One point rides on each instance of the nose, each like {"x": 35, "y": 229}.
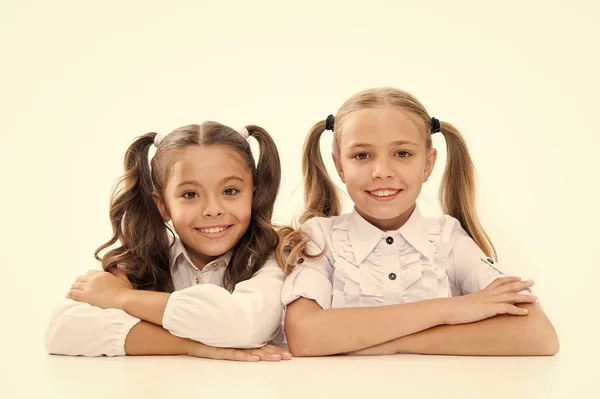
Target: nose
{"x": 212, "y": 208}
{"x": 382, "y": 169}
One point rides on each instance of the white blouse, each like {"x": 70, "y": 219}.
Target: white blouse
{"x": 364, "y": 266}
{"x": 199, "y": 309}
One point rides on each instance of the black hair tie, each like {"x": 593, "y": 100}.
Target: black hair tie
{"x": 329, "y": 122}
{"x": 435, "y": 125}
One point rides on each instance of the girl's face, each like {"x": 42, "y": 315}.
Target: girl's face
{"x": 208, "y": 197}
{"x": 383, "y": 161}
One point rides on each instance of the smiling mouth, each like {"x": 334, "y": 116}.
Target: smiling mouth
{"x": 213, "y": 230}
{"x": 383, "y": 193}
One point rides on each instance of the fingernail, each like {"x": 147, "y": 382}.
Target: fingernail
{"x": 255, "y": 358}
{"x": 276, "y": 356}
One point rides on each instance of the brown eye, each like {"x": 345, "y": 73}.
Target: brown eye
{"x": 189, "y": 195}
{"x": 361, "y": 156}
{"x": 231, "y": 191}
{"x": 403, "y": 154}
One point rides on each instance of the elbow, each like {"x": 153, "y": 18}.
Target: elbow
{"x": 553, "y": 348}
{"x": 241, "y": 332}
{"x": 548, "y": 343}
{"x": 253, "y": 331}
{"x": 247, "y": 337}
{"x": 299, "y": 340}
{"x": 543, "y": 337}
{"x": 50, "y": 344}
{"x": 299, "y": 349}
{"x": 56, "y": 337}
{"x": 256, "y": 334}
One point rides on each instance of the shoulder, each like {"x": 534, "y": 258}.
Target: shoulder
{"x": 324, "y": 224}
{"x": 318, "y": 229}
{"x": 270, "y": 269}
{"x": 450, "y": 228}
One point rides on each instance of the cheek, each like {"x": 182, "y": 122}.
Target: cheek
{"x": 181, "y": 213}
{"x": 414, "y": 172}
{"x": 242, "y": 209}
{"x": 354, "y": 174}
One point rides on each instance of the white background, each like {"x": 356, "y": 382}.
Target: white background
{"x": 80, "y": 80}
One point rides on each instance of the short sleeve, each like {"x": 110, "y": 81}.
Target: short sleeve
{"x": 469, "y": 268}
{"x": 311, "y": 278}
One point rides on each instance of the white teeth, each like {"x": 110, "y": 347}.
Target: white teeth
{"x": 384, "y": 193}
{"x": 213, "y": 230}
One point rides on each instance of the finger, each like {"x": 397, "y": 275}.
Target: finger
{"x": 274, "y": 349}
{"x": 78, "y": 286}
{"x": 271, "y": 349}
{"x": 513, "y": 310}
{"x": 515, "y": 287}
{"x": 281, "y": 352}
{"x": 503, "y": 280}
{"x": 237, "y": 355}
{"x": 266, "y": 356}
{"x": 75, "y": 295}
{"x": 82, "y": 279}
{"x": 518, "y": 298}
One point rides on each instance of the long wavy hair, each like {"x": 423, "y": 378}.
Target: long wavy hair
{"x": 137, "y": 225}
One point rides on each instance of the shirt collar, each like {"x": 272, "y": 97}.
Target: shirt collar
{"x": 364, "y": 237}
{"x": 178, "y": 254}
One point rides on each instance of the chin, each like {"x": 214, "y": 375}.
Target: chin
{"x": 216, "y": 250}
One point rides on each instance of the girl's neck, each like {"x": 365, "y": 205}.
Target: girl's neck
{"x": 388, "y": 224}
{"x": 199, "y": 260}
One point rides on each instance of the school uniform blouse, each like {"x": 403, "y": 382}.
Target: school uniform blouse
{"x": 199, "y": 309}
{"x": 364, "y": 266}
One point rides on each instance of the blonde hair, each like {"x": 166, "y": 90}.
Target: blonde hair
{"x": 457, "y": 189}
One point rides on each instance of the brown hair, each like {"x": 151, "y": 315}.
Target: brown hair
{"x": 141, "y": 231}
{"x": 457, "y": 190}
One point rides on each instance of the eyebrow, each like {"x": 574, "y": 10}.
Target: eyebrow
{"x": 223, "y": 180}
{"x": 228, "y": 178}
{"x": 395, "y": 143}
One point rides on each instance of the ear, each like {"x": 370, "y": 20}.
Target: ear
{"x": 162, "y": 208}
{"x": 429, "y": 164}
{"x": 338, "y": 166}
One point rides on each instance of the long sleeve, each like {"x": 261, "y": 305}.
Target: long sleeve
{"x": 77, "y": 328}
{"x": 246, "y": 318}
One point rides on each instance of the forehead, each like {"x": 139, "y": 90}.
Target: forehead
{"x": 380, "y": 125}
{"x": 208, "y": 164}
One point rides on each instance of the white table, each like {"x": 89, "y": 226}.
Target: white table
{"x": 401, "y": 376}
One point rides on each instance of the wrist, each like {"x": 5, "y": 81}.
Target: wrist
{"x": 442, "y": 309}
{"x": 124, "y": 299}
{"x": 185, "y": 346}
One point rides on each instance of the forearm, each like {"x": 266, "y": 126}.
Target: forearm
{"x": 505, "y": 335}
{"x": 334, "y": 331}
{"x": 149, "y": 339}
{"x": 146, "y": 305}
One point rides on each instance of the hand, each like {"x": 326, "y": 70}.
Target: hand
{"x": 497, "y": 298}
{"x": 268, "y": 353}
{"x": 102, "y": 289}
